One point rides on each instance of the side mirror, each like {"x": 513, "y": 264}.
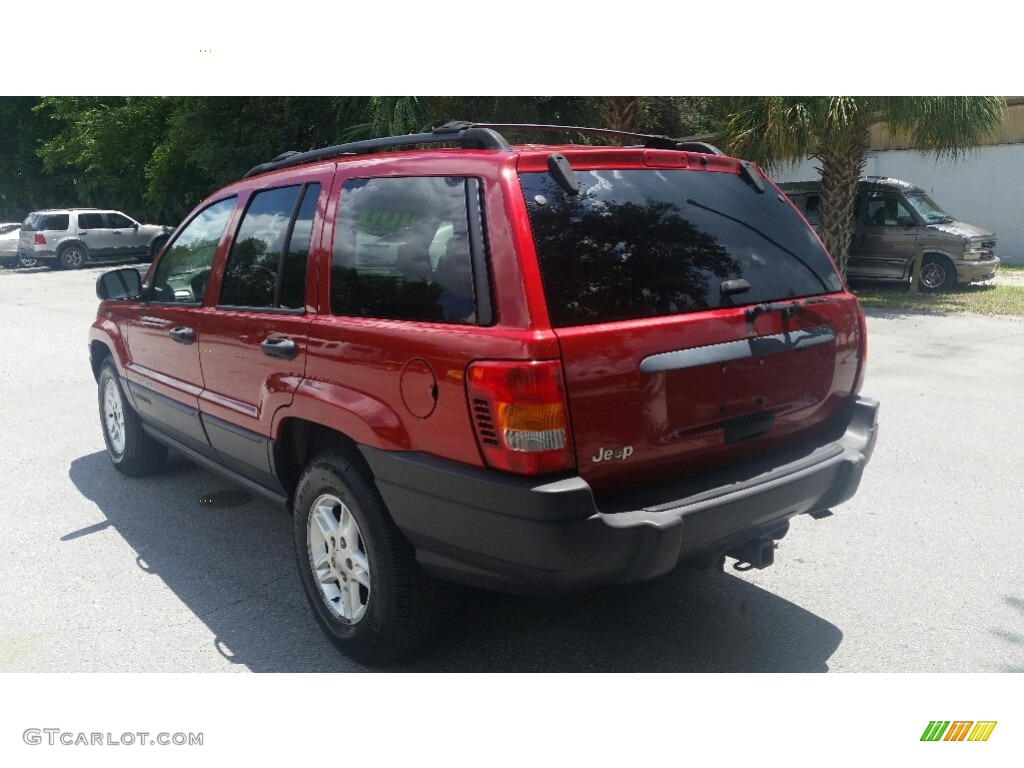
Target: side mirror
{"x": 119, "y": 284}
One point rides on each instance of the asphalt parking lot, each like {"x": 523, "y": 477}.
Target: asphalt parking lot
{"x": 183, "y": 572}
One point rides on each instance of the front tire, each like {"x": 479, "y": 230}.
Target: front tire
{"x": 937, "y": 274}
{"x": 72, "y": 257}
{"x": 132, "y": 451}
{"x": 359, "y": 573}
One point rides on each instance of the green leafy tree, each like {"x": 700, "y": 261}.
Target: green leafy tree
{"x": 104, "y": 144}
{"x": 157, "y": 157}
{"x": 834, "y": 130}
{"x": 24, "y": 184}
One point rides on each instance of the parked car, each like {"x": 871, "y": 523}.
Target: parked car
{"x": 892, "y": 218}
{"x": 71, "y": 237}
{"x": 9, "y": 244}
{"x": 534, "y": 369}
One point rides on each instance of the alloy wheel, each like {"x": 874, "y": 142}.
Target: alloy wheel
{"x": 113, "y": 416}
{"x": 337, "y": 557}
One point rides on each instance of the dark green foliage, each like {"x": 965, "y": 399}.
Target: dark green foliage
{"x": 157, "y": 157}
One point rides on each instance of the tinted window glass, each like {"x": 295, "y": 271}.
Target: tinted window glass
{"x": 5, "y": 228}
{"x": 119, "y": 221}
{"x": 401, "y": 250}
{"x": 888, "y": 211}
{"x": 812, "y": 211}
{"x": 251, "y": 275}
{"x": 643, "y": 243}
{"x": 90, "y": 221}
{"x": 182, "y": 271}
{"x": 54, "y": 222}
{"x": 293, "y": 275}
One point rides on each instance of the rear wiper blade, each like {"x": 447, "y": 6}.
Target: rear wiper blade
{"x": 787, "y": 308}
{"x": 757, "y": 231}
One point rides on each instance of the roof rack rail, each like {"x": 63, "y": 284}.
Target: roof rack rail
{"x": 465, "y": 134}
{"x": 471, "y": 135}
{"x": 650, "y": 141}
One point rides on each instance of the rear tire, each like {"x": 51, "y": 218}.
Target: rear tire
{"x": 154, "y": 249}
{"x": 72, "y": 257}
{"x": 132, "y": 451}
{"x": 359, "y": 573}
{"x": 937, "y": 274}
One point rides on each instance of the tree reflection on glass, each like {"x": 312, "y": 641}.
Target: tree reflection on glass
{"x": 603, "y": 260}
{"x": 251, "y": 274}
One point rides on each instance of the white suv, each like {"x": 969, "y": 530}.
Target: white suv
{"x": 69, "y": 237}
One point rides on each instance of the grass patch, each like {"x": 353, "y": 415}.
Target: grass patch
{"x": 995, "y": 300}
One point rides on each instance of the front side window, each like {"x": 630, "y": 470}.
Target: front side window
{"x": 646, "y": 243}
{"x": 402, "y": 250}
{"x": 888, "y": 211}
{"x": 119, "y": 221}
{"x": 183, "y": 270}
{"x": 267, "y": 264}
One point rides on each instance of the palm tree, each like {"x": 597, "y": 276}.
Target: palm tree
{"x": 621, "y": 113}
{"x": 775, "y": 130}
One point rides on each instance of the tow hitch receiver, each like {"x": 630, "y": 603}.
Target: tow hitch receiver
{"x": 759, "y": 553}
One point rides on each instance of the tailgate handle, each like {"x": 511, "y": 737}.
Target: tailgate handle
{"x": 741, "y": 349}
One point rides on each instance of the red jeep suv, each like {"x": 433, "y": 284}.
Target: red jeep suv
{"x": 529, "y": 368}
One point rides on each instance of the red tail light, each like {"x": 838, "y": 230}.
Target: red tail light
{"x": 40, "y": 240}
{"x": 521, "y": 417}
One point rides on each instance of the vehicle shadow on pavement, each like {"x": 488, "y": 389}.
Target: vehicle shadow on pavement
{"x": 687, "y": 621}
{"x": 229, "y": 559}
{"x": 1011, "y": 637}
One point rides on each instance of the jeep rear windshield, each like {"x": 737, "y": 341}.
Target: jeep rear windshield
{"x": 646, "y": 243}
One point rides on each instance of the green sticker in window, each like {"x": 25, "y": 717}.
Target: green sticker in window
{"x": 381, "y": 223}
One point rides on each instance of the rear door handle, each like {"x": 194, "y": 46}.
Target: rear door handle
{"x": 281, "y": 348}
{"x": 182, "y": 335}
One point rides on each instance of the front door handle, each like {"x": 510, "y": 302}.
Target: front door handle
{"x": 182, "y": 334}
{"x": 281, "y": 348}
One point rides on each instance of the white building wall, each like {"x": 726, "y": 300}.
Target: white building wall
{"x": 984, "y": 188}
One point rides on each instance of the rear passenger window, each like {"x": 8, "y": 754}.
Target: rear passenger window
{"x": 57, "y": 222}
{"x": 402, "y": 250}
{"x": 90, "y": 221}
{"x": 293, "y": 271}
{"x": 261, "y": 272}
{"x": 812, "y": 210}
